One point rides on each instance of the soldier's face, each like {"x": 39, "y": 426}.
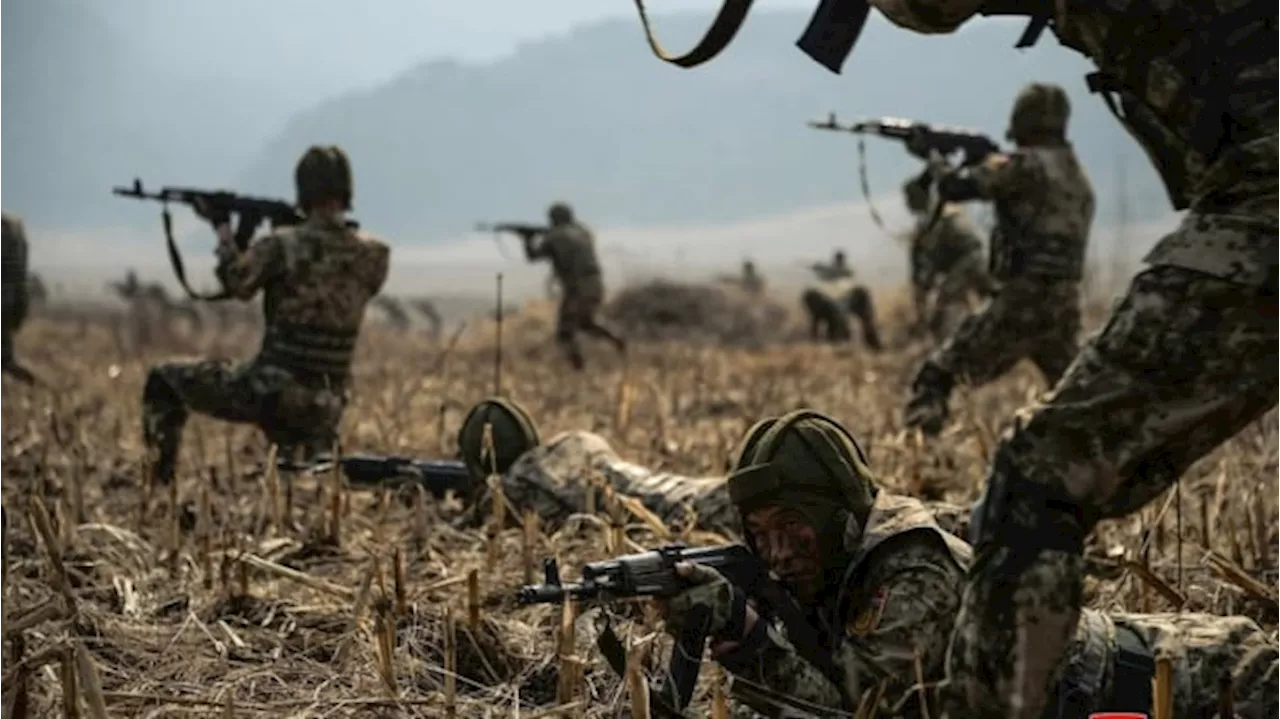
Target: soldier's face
{"x": 789, "y": 545}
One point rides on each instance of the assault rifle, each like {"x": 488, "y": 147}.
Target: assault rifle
{"x": 252, "y": 211}
{"x": 526, "y": 232}
{"x": 920, "y": 138}
{"x": 653, "y": 574}
{"x": 437, "y": 476}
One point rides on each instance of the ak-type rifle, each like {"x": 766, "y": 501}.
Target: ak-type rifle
{"x": 920, "y": 138}
{"x": 437, "y": 476}
{"x": 221, "y": 203}
{"x": 653, "y": 574}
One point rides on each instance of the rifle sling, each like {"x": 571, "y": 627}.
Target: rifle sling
{"x": 722, "y": 31}
{"x": 179, "y": 269}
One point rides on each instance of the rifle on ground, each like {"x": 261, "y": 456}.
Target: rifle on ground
{"x": 437, "y": 476}
{"x": 920, "y": 138}
{"x": 252, "y": 211}
{"x": 653, "y": 574}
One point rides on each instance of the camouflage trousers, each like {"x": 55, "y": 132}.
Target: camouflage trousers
{"x": 293, "y": 413}
{"x": 579, "y": 308}
{"x": 1027, "y": 319}
{"x": 953, "y": 292}
{"x": 1185, "y": 361}
{"x": 555, "y": 479}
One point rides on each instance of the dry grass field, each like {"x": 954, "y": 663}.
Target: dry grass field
{"x": 174, "y": 603}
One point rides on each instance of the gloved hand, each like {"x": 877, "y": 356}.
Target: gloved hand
{"x": 731, "y": 618}
{"x": 214, "y": 214}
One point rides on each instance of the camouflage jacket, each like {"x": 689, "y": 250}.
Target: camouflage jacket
{"x": 14, "y": 265}
{"x": 1195, "y": 82}
{"x": 316, "y": 279}
{"x": 935, "y": 252}
{"x": 898, "y": 600}
{"x": 571, "y": 249}
{"x": 1044, "y": 207}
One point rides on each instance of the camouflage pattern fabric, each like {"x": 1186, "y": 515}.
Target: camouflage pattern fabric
{"x": 947, "y": 262}
{"x": 553, "y": 479}
{"x": 319, "y": 276}
{"x": 829, "y": 305}
{"x": 1188, "y": 356}
{"x": 1027, "y": 319}
{"x": 570, "y": 247}
{"x": 900, "y": 595}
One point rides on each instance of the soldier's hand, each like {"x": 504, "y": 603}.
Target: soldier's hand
{"x": 918, "y": 142}
{"x": 731, "y": 618}
{"x": 215, "y": 215}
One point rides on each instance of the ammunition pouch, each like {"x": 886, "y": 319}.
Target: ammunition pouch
{"x": 310, "y": 353}
{"x": 1132, "y": 666}
{"x": 512, "y": 432}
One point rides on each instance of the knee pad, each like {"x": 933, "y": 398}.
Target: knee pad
{"x": 1026, "y": 516}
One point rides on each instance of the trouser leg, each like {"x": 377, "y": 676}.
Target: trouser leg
{"x": 1185, "y": 361}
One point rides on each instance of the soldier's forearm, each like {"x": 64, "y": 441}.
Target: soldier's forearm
{"x": 779, "y": 667}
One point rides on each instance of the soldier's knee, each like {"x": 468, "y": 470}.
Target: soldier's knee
{"x": 1025, "y": 513}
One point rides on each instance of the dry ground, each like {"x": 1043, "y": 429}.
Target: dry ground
{"x": 174, "y": 622}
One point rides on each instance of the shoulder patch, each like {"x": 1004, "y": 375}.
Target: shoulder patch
{"x": 867, "y": 620}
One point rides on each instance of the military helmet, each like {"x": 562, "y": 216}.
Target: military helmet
{"x": 1040, "y": 109}
{"x": 560, "y": 213}
{"x": 742, "y": 457}
{"x": 323, "y": 173}
{"x": 802, "y": 453}
{"x": 839, "y": 257}
{"x": 513, "y": 431}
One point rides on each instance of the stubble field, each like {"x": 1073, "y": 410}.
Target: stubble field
{"x": 242, "y": 593}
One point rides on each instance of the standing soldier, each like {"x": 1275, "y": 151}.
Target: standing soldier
{"x": 316, "y": 280}
{"x": 16, "y": 296}
{"x": 946, "y": 260}
{"x": 1045, "y": 205}
{"x": 571, "y": 249}
{"x": 1187, "y": 358}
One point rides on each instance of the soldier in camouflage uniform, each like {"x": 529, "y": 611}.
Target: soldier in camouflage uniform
{"x": 838, "y": 295}
{"x": 17, "y": 300}
{"x": 1187, "y": 358}
{"x": 1044, "y": 205}
{"x": 571, "y": 249}
{"x": 946, "y": 260}
{"x": 882, "y": 583}
{"x": 750, "y": 280}
{"x": 317, "y": 279}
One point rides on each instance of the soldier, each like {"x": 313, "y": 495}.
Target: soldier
{"x": 317, "y": 279}
{"x": 882, "y": 582}
{"x": 1045, "y": 205}
{"x": 427, "y": 309}
{"x": 150, "y": 306}
{"x": 750, "y": 280}
{"x": 1188, "y": 356}
{"x": 17, "y": 300}
{"x": 571, "y": 249}
{"x": 828, "y": 306}
{"x": 946, "y": 260}
{"x": 552, "y": 478}
{"x": 838, "y": 269}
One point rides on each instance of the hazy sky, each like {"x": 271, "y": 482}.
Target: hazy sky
{"x": 338, "y": 44}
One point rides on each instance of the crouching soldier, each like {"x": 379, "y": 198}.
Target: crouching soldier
{"x": 881, "y": 582}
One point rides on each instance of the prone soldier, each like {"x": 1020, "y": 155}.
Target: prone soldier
{"x": 1045, "y": 206}
{"x": 882, "y": 582}
{"x": 317, "y": 279}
